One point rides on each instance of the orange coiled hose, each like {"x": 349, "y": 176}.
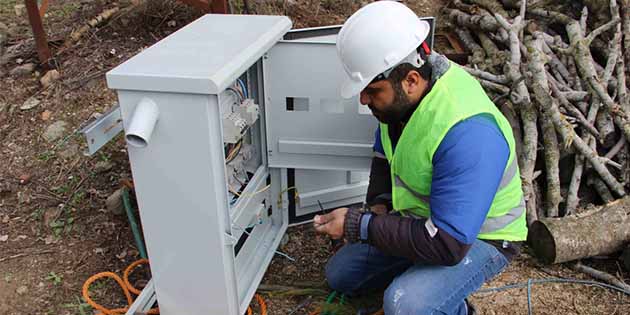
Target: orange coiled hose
{"x": 263, "y": 306}
{"x": 129, "y": 270}
{"x": 124, "y": 284}
{"x": 127, "y": 288}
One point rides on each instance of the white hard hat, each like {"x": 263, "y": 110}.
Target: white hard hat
{"x": 377, "y": 38}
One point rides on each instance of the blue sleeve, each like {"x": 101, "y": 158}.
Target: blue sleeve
{"x": 378, "y": 146}
{"x": 467, "y": 169}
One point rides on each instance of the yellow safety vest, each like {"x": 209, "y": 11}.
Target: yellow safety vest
{"x": 454, "y": 97}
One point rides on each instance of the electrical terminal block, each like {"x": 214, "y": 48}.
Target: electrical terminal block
{"x": 248, "y": 110}
{"x": 233, "y": 128}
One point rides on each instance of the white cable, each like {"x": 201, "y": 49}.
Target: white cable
{"x": 267, "y": 247}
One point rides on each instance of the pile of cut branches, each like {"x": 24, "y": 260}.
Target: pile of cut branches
{"x": 559, "y": 76}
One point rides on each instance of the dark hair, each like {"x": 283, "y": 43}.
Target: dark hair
{"x": 400, "y": 72}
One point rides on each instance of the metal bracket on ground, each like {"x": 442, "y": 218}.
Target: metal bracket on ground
{"x": 103, "y": 129}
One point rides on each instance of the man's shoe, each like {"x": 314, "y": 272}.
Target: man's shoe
{"x": 470, "y": 309}
{"x": 370, "y": 311}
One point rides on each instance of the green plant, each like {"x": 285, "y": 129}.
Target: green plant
{"x": 103, "y": 156}
{"x": 80, "y": 306}
{"x": 45, "y": 156}
{"x": 62, "y": 225}
{"x": 37, "y": 214}
{"x": 55, "y": 278}
{"x": 77, "y": 197}
{"x": 65, "y": 188}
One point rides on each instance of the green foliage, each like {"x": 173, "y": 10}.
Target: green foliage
{"x": 65, "y": 188}
{"x": 77, "y": 197}
{"x": 37, "y": 214}
{"x": 80, "y": 306}
{"x": 60, "y": 226}
{"x": 55, "y": 278}
{"x": 45, "y": 156}
{"x": 103, "y": 156}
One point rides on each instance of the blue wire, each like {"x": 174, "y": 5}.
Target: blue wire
{"x": 529, "y": 296}
{"x": 530, "y": 281}
{"x": 240, "y": 82}
{"x": 556, "y": 280}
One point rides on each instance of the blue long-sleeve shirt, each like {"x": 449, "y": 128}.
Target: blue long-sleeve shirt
{"x": 467, "y": 169}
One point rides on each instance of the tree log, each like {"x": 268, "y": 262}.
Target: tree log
{"x": 600, "y": 187}
{"x": 625, "y": 257}
{"x": 625, "y": 11}
{"x": 622, "y": 90}
{"x": 501, "y": 79}
{"x": 574, "y": 185}
{"x": 497, "y": 57}
{"x": 464, "y": 7}
{"x": 548, "y": 109}
{"x": 478, "y": 56}
{"x": 585, "y": 65}
{"x": 606, "y": 128}
{"x": 529, "y": 116}
{"x": 600, "y": 232}
{"x": 511, "y": 115}
{"x": 552, "y": 160}
{"x": 493, "y": 6}
{"x": 478, "y": 22}
{"x": 600, "y": 275}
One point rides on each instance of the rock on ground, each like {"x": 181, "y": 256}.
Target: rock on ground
{"x": 22, "y": 290}
{"x": 55, "y": 131}
{"x": 103, "y": 166}
{"x": 49, "y": 78}
{"x": 23, "y": 70}
{"x": 30, "y": 103}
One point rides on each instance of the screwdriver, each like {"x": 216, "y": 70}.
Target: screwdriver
{"x": 334, "y": 244}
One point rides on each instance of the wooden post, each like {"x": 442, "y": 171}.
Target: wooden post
{"x": 219, "y": 6}
{"x": 38, "y": 31}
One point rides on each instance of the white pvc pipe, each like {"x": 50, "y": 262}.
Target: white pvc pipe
{"x": 143, "y": 121}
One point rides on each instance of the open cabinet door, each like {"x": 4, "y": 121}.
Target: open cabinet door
{"x": 322, "y": 142}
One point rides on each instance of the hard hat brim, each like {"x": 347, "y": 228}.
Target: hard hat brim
{"x": 350, "y": 88}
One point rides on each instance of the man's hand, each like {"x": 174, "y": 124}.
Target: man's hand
{"x": 331, "y": 223}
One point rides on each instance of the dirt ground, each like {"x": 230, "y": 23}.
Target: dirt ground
{"x": 55, "y": 230}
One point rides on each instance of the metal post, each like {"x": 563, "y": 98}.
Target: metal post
{"x": 38, "y": 31}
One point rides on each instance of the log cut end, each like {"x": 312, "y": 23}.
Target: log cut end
{"x": 542, "y": 242}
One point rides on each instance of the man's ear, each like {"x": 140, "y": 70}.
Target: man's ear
{"x": 412, "y": 83}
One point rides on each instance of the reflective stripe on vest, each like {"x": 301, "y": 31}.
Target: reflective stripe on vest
{"x": 491, "y": 223}
{"x": 508, "y": 174}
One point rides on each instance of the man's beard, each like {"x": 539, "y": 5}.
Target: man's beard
{"x": 397, "y": 110}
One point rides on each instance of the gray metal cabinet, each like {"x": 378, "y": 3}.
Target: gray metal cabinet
{"x": 209, "y": 249}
